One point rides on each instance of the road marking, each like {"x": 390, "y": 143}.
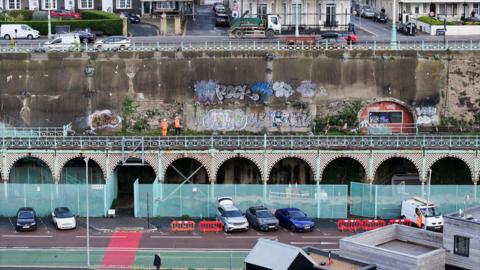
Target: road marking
{"x": 251, "y": 237}
{"x": 314, "y": 243}
{"x": 326, "y": 237}
{"x": 19, "y": 247}
{"x": 176, "y": 236}
{"x": 101, "y": 236}
{"x": 25, "y": 236}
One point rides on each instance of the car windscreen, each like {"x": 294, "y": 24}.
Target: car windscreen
{"x": 233, "y": 213}
{"x": 25, "y": 215}
{"x": 264, "y": 214}
{"x": 432, "y": 212}
{"x": 296, "y": 214}
{"x": 63, "y": 214}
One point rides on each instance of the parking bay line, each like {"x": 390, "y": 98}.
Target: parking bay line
{"x": 324, "y": 237}
{"x": 313, "y": 243}
{"x": 251, "y": 237}
{"x": 102, "y": 236}
{"x": 176, "y": 236}
{"x": 25, "y": 236}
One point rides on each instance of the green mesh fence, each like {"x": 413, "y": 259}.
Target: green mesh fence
{"x": 175, "y": 200}
{"x": 385, "y": 200}
{"x": 45, "y": 197}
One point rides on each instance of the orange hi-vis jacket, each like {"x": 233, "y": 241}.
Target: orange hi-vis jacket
{"x": 419, "y": 221}
{"x": 177, "y": 122}
{"x": 164, "y": 125}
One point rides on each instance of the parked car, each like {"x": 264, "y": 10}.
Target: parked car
{"x": 9, "y": 31}
{"x": 216, "y": 4}
{"x": 62, "y": 13}
{"x": 220, "y": 9}
{"x": 63, "y": 42}
{"x": 368, "y": 12}
{"x": 380, "y": 17}
{"x": 85, "y": 36}
{"x": 231, "y": 217}
{"x": 63, "y": 219}
{"x": 26, "y": 219}
{"x": 294, "y": 219}
{"x": 261, "y": 218}
{"x": 338, "y": 42}
{"x": 131, "y": 18}
{"x": 335, "y": 35}
{"x": 408, "y": 28}
{"x": 113, "y": 42}
{"x": 222, "y": 19}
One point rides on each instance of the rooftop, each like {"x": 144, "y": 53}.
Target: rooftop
{"x": 470, "y": 215}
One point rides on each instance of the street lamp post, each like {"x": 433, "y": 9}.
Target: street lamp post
{"x": 88, "y": 214}
{"x": 428, "y": 191}
{"x": 50, "y": 19}
{"x": 393, "y": 41}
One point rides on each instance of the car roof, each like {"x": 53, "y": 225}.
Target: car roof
{"x": 229, "y": 208}
{"x": 259, "y": 207}
{"x": 290, "y": 209}
{"x": 25, "y": 209}
{"x": 62, "y": 209}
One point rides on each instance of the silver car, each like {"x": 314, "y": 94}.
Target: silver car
{"x": 368, "y": 12}
{"x": 114, "y": 42}
{"x": 231, "y": 217}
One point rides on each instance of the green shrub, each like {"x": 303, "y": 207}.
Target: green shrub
{"x": 5, "y": 17}
{"x": 98, "y": 15}
{"x": 471, "y": 23}
{"x": 40, "y": 16}
{"x": 108, "y": 27}
{"x": 21, "y": 15}
{"x": 433, "y": 21}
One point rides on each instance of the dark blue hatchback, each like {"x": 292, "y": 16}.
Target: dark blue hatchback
{"x": 294, "y": 220}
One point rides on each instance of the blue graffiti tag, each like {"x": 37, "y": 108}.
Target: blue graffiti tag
{"x": 205, "y": 91}
{"x": 262, "y": 88}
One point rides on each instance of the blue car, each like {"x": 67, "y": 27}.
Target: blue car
{"x": 294, "y": 220}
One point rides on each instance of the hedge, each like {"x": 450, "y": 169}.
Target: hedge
{"x": 98, "y": 15}
{"x": 23, "y": 14}
{"x": 108, "y": 27}
{"x": 433, "y": 21}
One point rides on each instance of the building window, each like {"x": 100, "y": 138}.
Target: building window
{"x": 475, "y": 9}
{"x": 124, "y": 4}
{"x": 417, "y": 9}
{"x": 85, "y": 4}
{"x": 330, "y": 15}
{"x": 385, "y": 117}
{"x": 284, "y": 17}
{"x": 408, "y": 8}
{"x": 165, "y": 5}
{"x": 461, "y": 245}
{"x": 261, "y": 10}
{"x": 294, "y": 13}
{"x": 13, "y": 4}
{"x": 455, "y": 10}
{"x": 424, "y": 8}
{"x": 49, "y": 4}
{"x": 442, "y": 10}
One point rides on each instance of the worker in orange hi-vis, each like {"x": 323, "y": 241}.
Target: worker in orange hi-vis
{"x": 419, "y": 219}
{"x": 177, "y": 125}
{"x": 164, "y": 126}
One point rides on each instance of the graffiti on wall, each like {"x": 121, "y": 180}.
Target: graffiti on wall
{"x": 103, "y": 119}
{"x": 426, "y": 115}
{"x": 209, "y": 92}
{"x": 234, "y": 120}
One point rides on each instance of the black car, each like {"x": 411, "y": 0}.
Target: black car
{"x": 408, "y": 28}
{"x": 261, "y": 218}
{"x": 85, "y": 36}
{"x": 330, "y": 35}
{"x": 26, "y": 219}
{"x": 380, "y": 17}
{"x": 222, "y": 19}
{"x": 472, "y": 19}
{"x": 131, "y": 18}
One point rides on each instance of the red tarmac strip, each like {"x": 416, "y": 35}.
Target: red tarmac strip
{"x": 115, "y": 257}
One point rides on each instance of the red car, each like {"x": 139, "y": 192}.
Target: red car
{"x": 65, "y": 14}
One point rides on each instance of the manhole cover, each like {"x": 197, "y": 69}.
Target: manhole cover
{"x": 128, "y": 229}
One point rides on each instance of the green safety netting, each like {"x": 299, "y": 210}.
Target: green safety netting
{"x": 199, "y": 200}
{"x": 385, "y": 201}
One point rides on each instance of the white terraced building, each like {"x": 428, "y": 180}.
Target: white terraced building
{"x": 326, "y": 14}
{"x": 452, "y": 10}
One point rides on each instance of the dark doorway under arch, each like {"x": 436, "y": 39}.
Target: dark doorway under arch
{"x": 126, "y": 174}
{"x": 73, "y": 172}
{"x": 239, "y": 170}
{"x": 30, "y": 170}
{"x": 291, "y": 170}
{"x": 342, "y": 171}
{"x": 186, "y": 168}
{"x": 451, "y": 171}
{"x": 395, "y": 166}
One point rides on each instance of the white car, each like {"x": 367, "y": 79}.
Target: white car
{"x": 63, "y": 219}
{"x": 230, "y": 216}
{"x": 63, "y": 42}
{"x": 114, "y": 42}
{"x": 16, "y": 31}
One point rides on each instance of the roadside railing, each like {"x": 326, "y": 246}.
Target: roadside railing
{"x": 254, "y": 45}
{"x": 243, "y": 142}
{"x": 34, "y": 132}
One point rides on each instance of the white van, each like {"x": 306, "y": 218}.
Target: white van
{"x": 433, "y": 219}
{"x": 9, "y": 31}
{"x": 63, "y": 42}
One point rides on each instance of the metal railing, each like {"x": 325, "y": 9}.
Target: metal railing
{"x": 244, "y": 142}
{"x": 256, "y": 45}
{"x": 33, "y": 132}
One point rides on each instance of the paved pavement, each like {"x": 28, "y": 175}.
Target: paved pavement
{"x": 204, "y": 23}
{"x": 142, "y": 30}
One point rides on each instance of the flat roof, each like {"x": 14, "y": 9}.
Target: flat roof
{"x": 470, "y": 215}
{"x": 410, "y": 248}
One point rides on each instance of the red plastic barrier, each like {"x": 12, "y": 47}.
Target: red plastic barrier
{"x": 182, "y": 226}
{"x": 210, "y": 226}
{"x": 351, "y": 225}
{"x": 372, "y": 224}
{"x": 406, "y": 222}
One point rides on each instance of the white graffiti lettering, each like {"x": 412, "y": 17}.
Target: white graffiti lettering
{"x": 282, "y": 89}
{"x": 426, "y": 115}
{"x": 235, "y": 92}
{"x": 307, "y": 89}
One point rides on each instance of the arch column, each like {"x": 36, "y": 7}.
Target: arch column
{"x": 212, "y": 177}
{"x": 161, "y": 171}
{"x": 56, "y": 172}
{"x": 4, "y": 166}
